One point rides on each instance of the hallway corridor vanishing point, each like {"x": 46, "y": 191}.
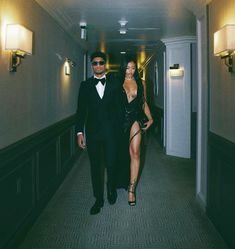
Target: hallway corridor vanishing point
{"x": 166, "y": 215}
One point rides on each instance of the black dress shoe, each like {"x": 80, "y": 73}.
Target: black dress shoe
{"x": 112, "y": 196}
{"x": 95, "y": 209}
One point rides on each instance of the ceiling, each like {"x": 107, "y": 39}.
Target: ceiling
{"x": 148, "y": 22}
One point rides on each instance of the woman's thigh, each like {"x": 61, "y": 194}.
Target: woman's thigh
{"x": 135, "y": 138}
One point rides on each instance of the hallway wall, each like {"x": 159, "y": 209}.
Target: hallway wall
{"x": 222, "y": 87}
{"x": 202, "y": 110}
{"x": 38, "y": 94}
{"x": 221, "y": 136}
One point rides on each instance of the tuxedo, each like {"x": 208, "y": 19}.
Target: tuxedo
{"x": 98, "y": 118}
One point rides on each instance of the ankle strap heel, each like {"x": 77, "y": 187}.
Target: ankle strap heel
{"x": 131, "y": 189}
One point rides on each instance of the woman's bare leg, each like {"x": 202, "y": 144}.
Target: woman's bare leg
{"x": 134, "y": 150}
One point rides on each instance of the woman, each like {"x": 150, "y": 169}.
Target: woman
{"x": 134, "y": 108}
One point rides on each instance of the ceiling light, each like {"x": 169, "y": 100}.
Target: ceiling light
{"x": 123, "y": 22}
{"x": 122, "y": 30}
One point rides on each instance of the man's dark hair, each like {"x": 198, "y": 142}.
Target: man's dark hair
{"x": 98, "y": 54}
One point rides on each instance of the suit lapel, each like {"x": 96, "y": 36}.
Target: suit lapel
{"x": 107, "y": 87}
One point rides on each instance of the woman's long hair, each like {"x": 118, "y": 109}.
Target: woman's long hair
{"x": 123, "y": 67}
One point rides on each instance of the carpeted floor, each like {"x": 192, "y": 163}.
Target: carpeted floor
{"x": 166, "y": 215}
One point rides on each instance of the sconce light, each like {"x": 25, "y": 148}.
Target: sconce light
{"x": 175, "y": 71}
{"x": 224, "y": 44}
{"x": 19, "y": 42}
{"x": 83, "y": 27}
{"x": 67, "y": 66}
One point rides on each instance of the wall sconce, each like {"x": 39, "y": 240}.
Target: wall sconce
{"x": 224, "y": 44}
{"x": 175, "y": 71}
{"x": 19, "y": 42}
{"x": 67, "y": 66}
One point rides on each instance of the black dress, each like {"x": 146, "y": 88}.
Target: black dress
{"x": 131, "y": 112}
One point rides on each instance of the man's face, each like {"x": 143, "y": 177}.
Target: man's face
{"x": 98, "y": 66}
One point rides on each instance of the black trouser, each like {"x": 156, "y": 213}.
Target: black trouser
{"x": 99, "y": 149}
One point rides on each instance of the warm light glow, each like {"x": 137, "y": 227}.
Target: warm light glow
{"x": 107, "y": 63}
{"x": 176, "y": 72}
{"x": 18, "y": 38}
{"x": 102, "y": 43}
{"x": 142, "y": 56}
{"x": 224, "y": 40}
{"x": 4, "y": 21}
{"x": 64, "y": 82}
{"x": 3, "y": 34}
{"x": 67, "y": 68}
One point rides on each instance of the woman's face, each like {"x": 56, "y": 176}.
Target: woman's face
{"x": 130, "y": 69}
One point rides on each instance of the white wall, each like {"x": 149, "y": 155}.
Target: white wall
{"x": 38, "y": 94}
{"x": 178, "y": 97}
{"x": 202, "y": 115}
{"x": 159, "y": 99}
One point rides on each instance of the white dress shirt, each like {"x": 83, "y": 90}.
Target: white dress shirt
{"x": 100, "y": 87}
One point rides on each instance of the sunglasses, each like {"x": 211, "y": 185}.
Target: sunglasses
{"x": 96, "y": 63}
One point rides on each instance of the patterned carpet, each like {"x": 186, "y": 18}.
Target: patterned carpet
{"x": 166, "y": 215}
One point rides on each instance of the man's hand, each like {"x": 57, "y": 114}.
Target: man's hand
{"x": 81, "y": 141}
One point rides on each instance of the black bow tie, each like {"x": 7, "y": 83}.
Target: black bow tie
{"x": 100, "y": 80}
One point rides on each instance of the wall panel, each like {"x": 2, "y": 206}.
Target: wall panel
{"x": 30, "y": 175}
{"x": 221, "y": 186}
{"x": 17, "y": 198}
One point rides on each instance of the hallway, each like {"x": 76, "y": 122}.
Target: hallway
{"x": 166, "y": 215}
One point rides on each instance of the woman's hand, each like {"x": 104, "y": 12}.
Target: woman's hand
{"x": 148, "y": 124}
{"x": 81, "y": 141}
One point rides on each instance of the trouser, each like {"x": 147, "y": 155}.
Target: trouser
{"x": 99, "y": 151}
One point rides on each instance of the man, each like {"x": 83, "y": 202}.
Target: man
{"x": 97, "y": 113}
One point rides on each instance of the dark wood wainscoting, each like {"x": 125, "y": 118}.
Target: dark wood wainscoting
{"x": 31, "y": 170}
{"x": 221, "y": 186}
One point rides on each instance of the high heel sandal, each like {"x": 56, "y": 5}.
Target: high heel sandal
{"x": 131, "y": 189}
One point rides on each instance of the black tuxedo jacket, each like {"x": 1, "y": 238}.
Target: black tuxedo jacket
{"x": 99, "y": 117}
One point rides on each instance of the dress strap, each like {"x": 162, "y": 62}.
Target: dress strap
{"x": 139, "y": 131}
